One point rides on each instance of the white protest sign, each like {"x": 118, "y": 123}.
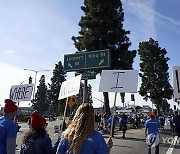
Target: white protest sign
{"x": 21, "y": 92}
{"x": 119, "y": 81}
{"x": 176, "y": 81}
{"x": 70, "y": 87}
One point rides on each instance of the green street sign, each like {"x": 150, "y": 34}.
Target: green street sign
{"x": 97, "y": 59}
{"x": 87, "y": 60}
{"x": 74, "y": 62}
{"x": 88, "y": 75}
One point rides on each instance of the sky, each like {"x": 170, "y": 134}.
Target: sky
{"x": 36, "y": 34}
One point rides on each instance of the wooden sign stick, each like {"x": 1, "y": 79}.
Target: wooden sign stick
{"x": 114, "y": 110}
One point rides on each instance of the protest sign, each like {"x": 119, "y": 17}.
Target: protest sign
{"x": 21, "y": 92}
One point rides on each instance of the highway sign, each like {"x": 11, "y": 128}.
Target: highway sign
{"x": 97, "y": 59}
{"x": 74, "y": 61}
{"x": 87, "y": 60}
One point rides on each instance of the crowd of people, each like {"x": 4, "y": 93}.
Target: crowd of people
{"x": 82, "y": 135}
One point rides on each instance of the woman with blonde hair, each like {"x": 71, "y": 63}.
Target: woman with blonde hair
{"x": 80, "y": 136}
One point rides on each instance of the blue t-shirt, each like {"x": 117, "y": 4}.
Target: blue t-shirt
{"x": 109, "y": 121}
{"x": 8, "y": 129}
{"x": 152, "y": 125}
{"x": 94, "y": 144}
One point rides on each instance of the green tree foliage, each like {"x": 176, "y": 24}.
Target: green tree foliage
{"x": 54, "y": 88}
{"x": 154, "y": 73}
{"x": 102, "y": 28}
{"x": 177, "y": 100}
{"x": 80, "y": 95}
{"x": 40, "y": 103}
{"x": 165, "y": 106}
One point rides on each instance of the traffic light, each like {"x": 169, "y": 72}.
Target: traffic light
{"x": 30, "y": 80}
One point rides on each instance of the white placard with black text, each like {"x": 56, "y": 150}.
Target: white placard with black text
{"x": 176, "y": 81}
{"x": 70, "y": 87}
{"x": 119, "y": 81}
{"x": 20, "y": 93}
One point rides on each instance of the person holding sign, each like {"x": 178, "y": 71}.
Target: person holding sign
{"x": 80, "y": 136}
{"x": 152, "y": 125}
{"x": 8, "y": 129}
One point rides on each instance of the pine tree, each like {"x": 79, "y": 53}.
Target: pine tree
{"x": 54, "y": 88}
{"x": 40, "y": 103}
{"x": 154, "y": 73}
{"x": 102, "y": 28}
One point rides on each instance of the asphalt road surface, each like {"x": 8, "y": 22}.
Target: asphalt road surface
{"x": 134, "y": 143}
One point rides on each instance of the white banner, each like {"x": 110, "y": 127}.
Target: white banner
{"x": 70, "y": 87}
{"x": 176, "y": 81}
{"x": 21, "y": 92}
{"x": 119, "y": 81}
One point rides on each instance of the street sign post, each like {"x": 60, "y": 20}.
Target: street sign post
{"x": 74, "y": 62}
{"x": 87, "y": 60}
{"x": 87, "y": 75}
{"x": 97, "y": 59}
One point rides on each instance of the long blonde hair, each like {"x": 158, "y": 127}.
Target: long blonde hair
{"x": 78, "y": 130}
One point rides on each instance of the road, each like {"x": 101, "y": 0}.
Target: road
{"x": 133, "y": 143}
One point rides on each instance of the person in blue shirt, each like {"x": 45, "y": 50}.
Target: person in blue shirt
{"x": 176, "y": 121}
{"x": 123, "y": 124}
{"x": 152, "y": 126}
{"x": 109, "y": 122}
{"x": 162, "y": 121}
{"x": 8, "y": 129}
{"x": 80, "y": 137}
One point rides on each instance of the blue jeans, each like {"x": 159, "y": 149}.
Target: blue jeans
{"x": 156, "y": 149}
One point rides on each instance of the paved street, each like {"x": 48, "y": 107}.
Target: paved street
{"x": 134, "y": 143}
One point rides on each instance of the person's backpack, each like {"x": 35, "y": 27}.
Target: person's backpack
{"x": 28, "y": 148}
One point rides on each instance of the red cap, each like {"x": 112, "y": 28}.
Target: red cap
{"x": 37, "y": 121}
{"x": 10, "y": 106}
{"x": 151, "y": 115}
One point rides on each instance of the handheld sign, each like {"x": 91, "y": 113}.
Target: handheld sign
{"x": 21, "y": 92}
{"x": 70, "y": 87}
{"x": 176, "y": 81}
{"x": 119, "y": 81}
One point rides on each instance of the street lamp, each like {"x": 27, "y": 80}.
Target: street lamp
{"x": 23, "y": 82}
{"x": 36, "y": 71}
